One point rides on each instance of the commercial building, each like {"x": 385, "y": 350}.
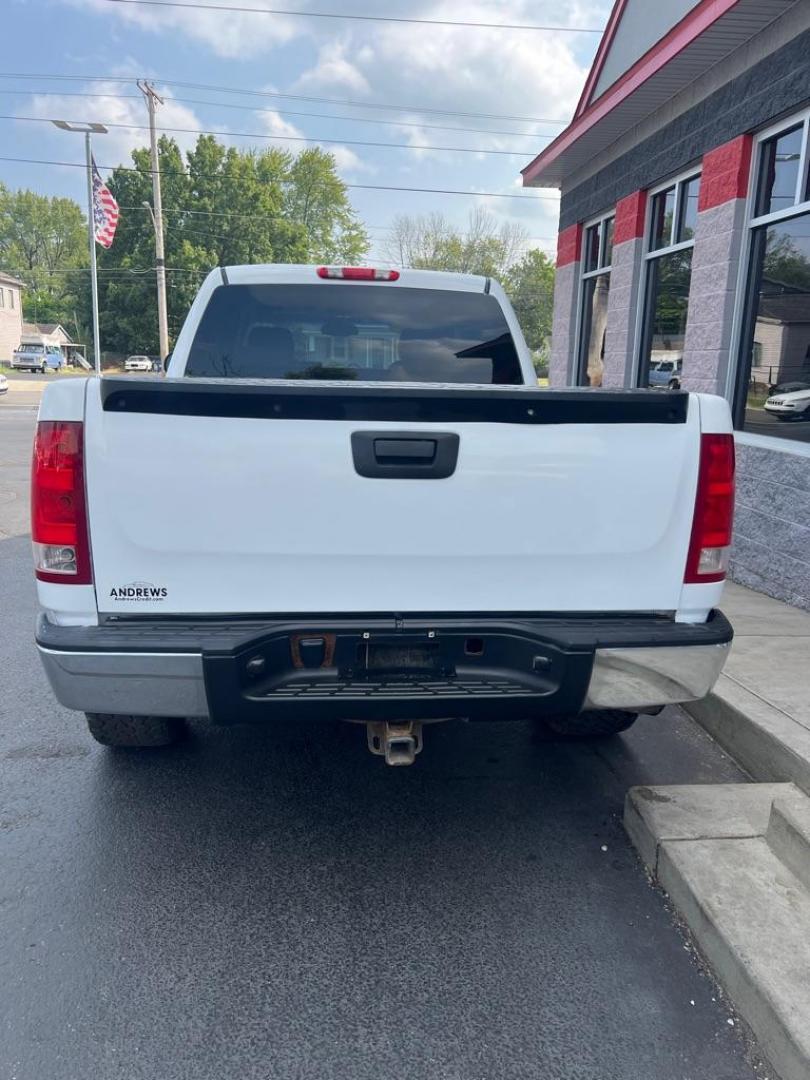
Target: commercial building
{"x": 684, "y": 244}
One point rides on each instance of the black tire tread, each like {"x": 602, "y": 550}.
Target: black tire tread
{"x": 111, "y": 729}
{"x": 598, "y": 723}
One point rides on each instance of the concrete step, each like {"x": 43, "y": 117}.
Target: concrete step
{"x": 735, "y": 868}
{"x": 769, "y": 743}
{"x": 788, "y": 836}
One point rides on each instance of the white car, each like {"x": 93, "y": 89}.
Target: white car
{"x": 3, "y": 384}
{"x": 366, "y": 509}
{"x": 137, "y": 363}
{"x": 792, "y": 406}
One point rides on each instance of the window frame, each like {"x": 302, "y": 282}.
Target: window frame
{"x": 585, "y": 276}
{"x": 753, "y": 224}
{"x": 649, "y": 255}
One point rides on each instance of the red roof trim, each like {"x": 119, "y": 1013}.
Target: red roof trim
{"x": 693, "y": 24}
{"x": 601, "y": 55}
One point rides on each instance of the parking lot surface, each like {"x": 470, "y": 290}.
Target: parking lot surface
{"x": 263, "y": 903}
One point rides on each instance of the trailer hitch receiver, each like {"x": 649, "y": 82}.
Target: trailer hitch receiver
{"x": 397, "y": 741}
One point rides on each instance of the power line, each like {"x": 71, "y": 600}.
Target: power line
{"x": 289, "y": 138}
{"x": 357, "y": 18}
{"x": 234, "y": 179}
{"x": 286, "y": 112}
{"x": 269, "y": 217}
{"x": 279, "y": 94}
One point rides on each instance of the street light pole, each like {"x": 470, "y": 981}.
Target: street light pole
{"x": 88, "y": 130}
{"x": 152, "y": 100}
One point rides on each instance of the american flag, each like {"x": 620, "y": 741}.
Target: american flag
{"x": 105, "y": 210}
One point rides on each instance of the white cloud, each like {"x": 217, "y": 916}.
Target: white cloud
{"x": 109, "y": 108}
{"x": 349, "y": 162}
{"x": 272, "y": 123}
{"x": 335, "y": 71}
{"x": 234, "y": 35}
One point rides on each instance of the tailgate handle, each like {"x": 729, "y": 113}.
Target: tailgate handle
{"x": 405, "y": 455}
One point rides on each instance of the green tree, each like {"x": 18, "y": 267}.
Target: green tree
{"x": 222, "y": 206}
{"x": 42, "y": 240}
{"x": 529, "y": 284}
{"x": 431, "y": 242}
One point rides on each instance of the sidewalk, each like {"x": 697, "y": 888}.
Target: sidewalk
{"x": 735, "y": 858}
{"x": 760, "y": 709}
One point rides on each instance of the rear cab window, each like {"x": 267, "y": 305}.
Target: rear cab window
{"x": 354, "y": 332}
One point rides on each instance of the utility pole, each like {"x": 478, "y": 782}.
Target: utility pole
{"x": 152, "y": 101}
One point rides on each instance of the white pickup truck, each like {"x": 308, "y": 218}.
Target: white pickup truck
{"x": 358, "y": 504}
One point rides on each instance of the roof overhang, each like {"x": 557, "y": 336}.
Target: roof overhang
{"x": 711, "y": 31}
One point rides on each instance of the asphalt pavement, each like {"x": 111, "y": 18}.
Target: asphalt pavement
{"x": 274, "y": 903}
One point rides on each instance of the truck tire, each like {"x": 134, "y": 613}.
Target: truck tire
{"x": 597, "y": 724}
{"x": 137, "y": 731}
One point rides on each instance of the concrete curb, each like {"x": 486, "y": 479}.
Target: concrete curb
{"x": 727, "y": 856}
{"x": 768, "y": 743}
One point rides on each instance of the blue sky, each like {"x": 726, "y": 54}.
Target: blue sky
{"x": 423, "y": 69}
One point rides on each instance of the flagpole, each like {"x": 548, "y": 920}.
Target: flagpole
{"x": 91, "y": 229}
{"x": 87, "y": 130}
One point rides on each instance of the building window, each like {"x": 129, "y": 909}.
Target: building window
{"x": 11, "y": 298}
{"x": 772, "y": 396}
{"x": 2, "y": 301}
{"x": 597, "y": 255}
{"x": 668, "y": 272}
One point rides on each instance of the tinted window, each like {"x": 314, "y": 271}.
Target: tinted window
{"x": 777, "y": 335}
{"x": 779, "y": 171}
{"x": 365, "y": 332}
{"x": 665, "y": 315}
{"x": 690, "y": 191}
{"x": 663, "y": 209}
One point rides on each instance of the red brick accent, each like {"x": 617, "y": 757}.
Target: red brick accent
{"x": 726, "y": 170}
{"x": 569, "y": 245}
{"x": 630, "y": 211}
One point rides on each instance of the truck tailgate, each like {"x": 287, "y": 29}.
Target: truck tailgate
{"x": 216, "y": 497}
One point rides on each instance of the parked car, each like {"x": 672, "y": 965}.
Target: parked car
{"x": 31, "y": 356}
{"x": 794, "y": 405}
{"x": 3, "y": 383}
{"x": 787, "y": 388}
{"x": 425, "y": 535}
{"x": 666, "y": 373}
{"x": 137, "y": 363}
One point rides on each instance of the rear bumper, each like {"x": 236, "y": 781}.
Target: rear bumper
{"x": 373, "y": 668}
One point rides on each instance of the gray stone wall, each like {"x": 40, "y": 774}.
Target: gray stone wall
{"x": 771, "y": 551}
{"x": 564, "y": 324}
{"x": 625, "y": 281}
{"x": 712, "y": 295}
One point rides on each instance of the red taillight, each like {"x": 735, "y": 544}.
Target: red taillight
{"x": 714, "y": 511}
{"x": 357, "y": 273}
{"x": 58, "y": 513}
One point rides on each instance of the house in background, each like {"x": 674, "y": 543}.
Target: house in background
{"x": 684, "y": 244}
{"x": 10, "y": 316}
{"x": 46, "y": 333}
{"x": 55, "y": 334}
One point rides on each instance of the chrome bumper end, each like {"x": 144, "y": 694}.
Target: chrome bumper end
{"x": 149, "y": 684}
{"x": 641, "y": 679}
